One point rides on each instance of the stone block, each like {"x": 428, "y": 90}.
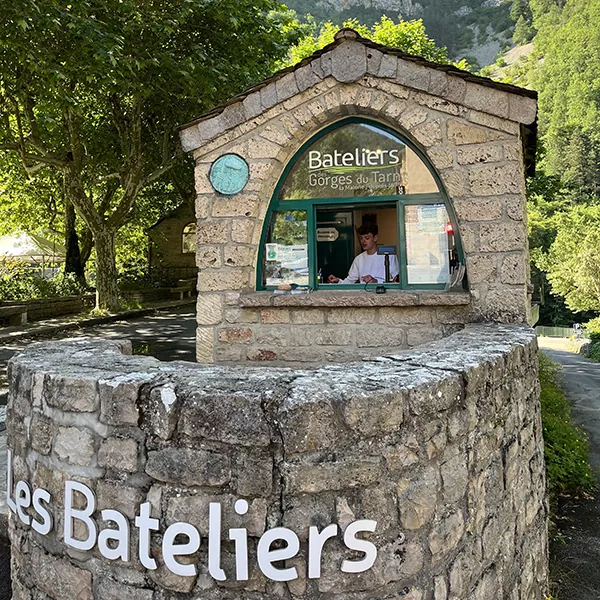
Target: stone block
{"x": 211, "y": 232}
{"x": 185, "y": 466}
{"x": 252, "y": 105}
{"x": 496, "y": 181}
{"x": 261, "y": 354}
{"x": 460, "y": 133}
{"x": 522, "y": 109}
{"x": 417, "y": 499}
{"x": 242, "y": 206}
{"x": 268, "y": 95}
{"x": 388, "y": 67}
{"x": 112, "y": 590}
{"x": 72, "y": 393}
{"x": 242, "y": 231}
{"x": 454, "y": 478}
{"x": 254, "y": 474}
{"x": 482, "y": 268}
{"x": 235, "y": 335}
{"x": 231, "y": 418}
{"x": 308, "y": 316}
{"x": 286, "y": 87}
{"x": 304, "y": 510}
{"x": 119, "y": 496}
{"x": 409, "y": 119}
{"x": 307, "y": 478}
{"x": 495, "y": 123}
{"x": 487, "y": 100}
{"x": 217, "y": 280}
{"x": 381, "y": 337}
{"x": 40, "y": 433}
{"x": 120, "y": 454}
{"x": 58, "y": 578}
{"x": 372, "y": 415}
{"x": 446, "y": 534}
{"x": 374, "y": 58}
{"x": 208, "y": 257}
{"x": 479, "y": 154}
{"x": 479, "y": 209}
{"x": 455, "y": 182}
{"x": 306, "y": 78}
{"x": 404, "y": 315}
{"x": 273, "y": 316}
{"x": 351, "y": 315}
{"x": 515, "y": 207}
{"x": 259, "y": 148}
{"x": 74, "y": 445}
{"x": 348, "y": 62}
{"x": 331, "y": 336}
{"x": 428, "y": 134}
{"x": 205, "y": 344}
{"x": 194, "y": 509}
{"x": 442, "y": 158}
{"x": 209, "y": 309}
{"x": 502, "y": 237}
{"x": 513, "y": 269}
{"x": 413, "y": 75}
{"x": 239, "y": 256}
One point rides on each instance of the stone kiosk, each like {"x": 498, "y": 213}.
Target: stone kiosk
{"x": 333, "y": 443}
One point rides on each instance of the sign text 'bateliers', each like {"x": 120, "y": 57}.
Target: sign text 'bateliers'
{"x": 34, "y": 509}
{"x": 360, "y": 168}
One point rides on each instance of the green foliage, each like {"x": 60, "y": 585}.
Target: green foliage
{"x": 408, "y": 36}
{"x": 567, "y": 81}
{"x": 92, "y": 91}
{"x": 19, "y": 282}
{"x": 566, "y": 448}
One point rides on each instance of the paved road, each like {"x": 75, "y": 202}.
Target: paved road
{"x": 168, "y": 335}
{"x": 578, "y": 560}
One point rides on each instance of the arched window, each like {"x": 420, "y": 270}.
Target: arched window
{"x": 356, "y": 182}
{"x": 188, "y": 239}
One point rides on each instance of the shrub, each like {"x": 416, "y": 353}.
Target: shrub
{"x": 593, "y": 328}
{"x": 566, "y": 447}
{"x": 19, "y": 282}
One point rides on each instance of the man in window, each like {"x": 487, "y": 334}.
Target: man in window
{"x": 368, "y": 266}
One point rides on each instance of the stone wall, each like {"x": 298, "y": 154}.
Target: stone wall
{"x": 327, "y": 327}
{"x": 471, "y": 133}
{"x": 166, "y": 247}
{"x": 441, "y": 446}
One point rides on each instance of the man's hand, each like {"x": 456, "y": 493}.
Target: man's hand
{"x": 368, "y": 279}
{"x": 333, "y": 279}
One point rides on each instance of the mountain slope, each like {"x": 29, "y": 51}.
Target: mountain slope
{"x": 476, "y": 29}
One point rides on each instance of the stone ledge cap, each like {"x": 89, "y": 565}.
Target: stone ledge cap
{"x": 345, "y": 298}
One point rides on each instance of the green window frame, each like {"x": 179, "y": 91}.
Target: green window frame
{"x": 401, "y": 201}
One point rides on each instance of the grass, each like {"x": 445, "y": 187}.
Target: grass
{"x": 566, "y": 447}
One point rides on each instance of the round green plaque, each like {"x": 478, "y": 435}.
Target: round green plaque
{"x": 229, "y": 174}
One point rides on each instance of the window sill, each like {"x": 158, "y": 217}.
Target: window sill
{"x": 355, "y": 298}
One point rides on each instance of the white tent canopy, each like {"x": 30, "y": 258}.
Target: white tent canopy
{"x": 30, "y": 248}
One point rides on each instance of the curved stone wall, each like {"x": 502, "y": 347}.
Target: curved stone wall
{"x": 441, "y": 447}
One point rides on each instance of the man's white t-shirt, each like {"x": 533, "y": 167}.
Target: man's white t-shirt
{"x": 370, "y": 264}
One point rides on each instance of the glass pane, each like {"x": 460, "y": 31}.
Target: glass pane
{"x": 357, "y": 159}
{"x": 189, "y": 239}
{"x": 430, "y": 247}
{"x": 286, "y": 249}
{"x": 347, "y": 254}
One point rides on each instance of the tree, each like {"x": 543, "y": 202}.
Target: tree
{"x": 573, "y": 263}
{"x": 408, "y": 36}
{"x": 569, "y": 104}
{"x": 93, "y": 89}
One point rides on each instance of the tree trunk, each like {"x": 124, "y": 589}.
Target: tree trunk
{"x": 107, "y": 290}
{"x": 73, "y": 262}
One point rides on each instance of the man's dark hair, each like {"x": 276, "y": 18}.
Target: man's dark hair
{"x": 367, "y": 228}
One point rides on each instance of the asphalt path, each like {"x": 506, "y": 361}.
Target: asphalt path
{"x": 167, "y": 335}
{"x": 578, "y": 558}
